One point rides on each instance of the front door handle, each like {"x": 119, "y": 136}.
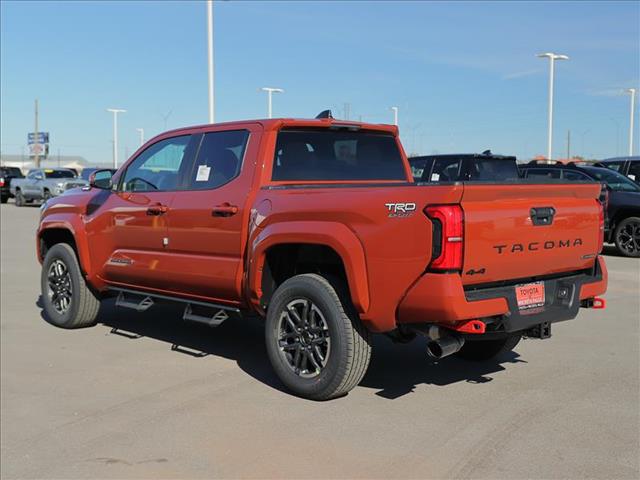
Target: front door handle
{"x": 224, "y": 210}
{"x": 157, "y": 209}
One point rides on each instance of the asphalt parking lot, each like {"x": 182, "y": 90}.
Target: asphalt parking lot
{"x": 144, "y": 396}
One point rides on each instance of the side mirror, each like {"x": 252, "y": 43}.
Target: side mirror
{"x": 101, "y": 179}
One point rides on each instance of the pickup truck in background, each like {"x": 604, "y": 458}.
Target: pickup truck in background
{"x": 7, "y": 174}
{"x": 466, "y": 167}
{"x": 318, "y": 227}
{"x": 621, "y": 198}
{"x": 41, "y": 184}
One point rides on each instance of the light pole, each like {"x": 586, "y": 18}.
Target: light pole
{"x": 210, "y": 59}
{"x": 141, "y": 132}
{"x": 270, "y": 91}
{"x": 552, "y": 58}
{"x": 115, "y": 112}
{"x": 632, "y": 92}
{"x": 395, "y": 115}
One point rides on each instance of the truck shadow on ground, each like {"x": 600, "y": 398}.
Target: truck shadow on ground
{"x": 395, "y": 369}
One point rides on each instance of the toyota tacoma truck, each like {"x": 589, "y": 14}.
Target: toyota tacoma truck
{"x": 318, "y": 227}
{"x": 41, "y": 184}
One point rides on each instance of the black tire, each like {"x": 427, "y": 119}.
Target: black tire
{"x": 46, "y": 195}
{"x": 4, "y": 198}
{"x": 481, "y": 350}
{"x": 83, "y": 305}
{"x": 348, "y": 349}
{"x": 627, "y": 237}
{"x": 19, "y": 199}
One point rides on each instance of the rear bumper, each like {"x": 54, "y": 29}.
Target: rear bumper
{"x": 442, "y": 299}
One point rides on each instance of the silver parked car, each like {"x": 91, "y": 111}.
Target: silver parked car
{"x": 41, "y": 184}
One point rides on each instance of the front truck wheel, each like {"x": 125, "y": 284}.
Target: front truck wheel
{"x": 68, "y": 301}
{"x": 480, "y": 350}
{"x": 627, "y": 237}
{"x": 316, "y": 342}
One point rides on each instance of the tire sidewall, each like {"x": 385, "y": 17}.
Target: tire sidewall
{"x": 619, "y": 227}
{"x": 316, "y": 291}
{"x": 64, "y": 253}
{"x": 19, "y": 199}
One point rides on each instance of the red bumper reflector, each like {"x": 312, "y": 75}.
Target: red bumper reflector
{"x": 599, "y": 303}
{"x": 469, "y": 326}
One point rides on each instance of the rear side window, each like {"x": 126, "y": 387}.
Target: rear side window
{"x": 617, "y": 166}
{"x": 543, "y": 173}
{"x": 634, "y": 172}
{"x": 491, "y": 169}
{"x": 575, "y": 176}
{"x": 420, "y": 168}
{"x": 316, "y": 155}
{"x": 219, "y": 159}
{"x": 445, "y": 170}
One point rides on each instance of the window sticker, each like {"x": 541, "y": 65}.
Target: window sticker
{"x": 203, "y": 173}
{"x": 435, "y": 177}
{"x": 632, "y": 176}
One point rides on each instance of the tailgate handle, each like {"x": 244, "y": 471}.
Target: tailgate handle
{"x": 542, "y": 215}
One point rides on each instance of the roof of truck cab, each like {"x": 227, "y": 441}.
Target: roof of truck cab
{"x": 279, "y": 123}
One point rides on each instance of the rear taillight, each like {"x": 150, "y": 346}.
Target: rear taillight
{"x": 1, "y": 182}
{"x": 448, "y": 236}
{"x": 601, "y": 217}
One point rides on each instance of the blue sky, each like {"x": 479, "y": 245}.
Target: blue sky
{"x": 464, "y": 75}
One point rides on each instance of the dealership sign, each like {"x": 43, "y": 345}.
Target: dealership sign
{"x": 41, "y": 147}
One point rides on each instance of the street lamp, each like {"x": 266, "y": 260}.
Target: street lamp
{"x": 210, "y": 59}
{"x": 270, "y": 91}
{"x": 115, "y": 112}
{"x": 395, "y": 115}
{"x": 552, "y": 58}
{"x": 141, "y": 132}
{"x": 632, "y": 92}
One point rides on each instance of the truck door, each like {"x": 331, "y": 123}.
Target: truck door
{"x": 208, "y": 220}
{"x": 129, "y": 231}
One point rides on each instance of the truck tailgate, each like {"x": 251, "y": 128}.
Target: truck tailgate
{"x": 522, "y": 231}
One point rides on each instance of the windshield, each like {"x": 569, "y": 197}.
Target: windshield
{"x": 614, "y": 180}
{"x": 59, "y": 174}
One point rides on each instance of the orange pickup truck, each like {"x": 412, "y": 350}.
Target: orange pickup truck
{"x": 318, "y": 226}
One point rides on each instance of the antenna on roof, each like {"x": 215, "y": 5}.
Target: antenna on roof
{"x": 325, "y": 114}
{"x": 487, "y": 152}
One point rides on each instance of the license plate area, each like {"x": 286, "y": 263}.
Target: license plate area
{"x": 530, "y": 295}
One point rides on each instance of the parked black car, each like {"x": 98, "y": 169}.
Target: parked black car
{"x": 623, "y": 205}
{"x": 464, "y": 167}
{"x": 6, "y": 174}
{"x": 627, "y": 166}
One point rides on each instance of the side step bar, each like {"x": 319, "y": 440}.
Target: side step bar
{"x": 210, "y": 314}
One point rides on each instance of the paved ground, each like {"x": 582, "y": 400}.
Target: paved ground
{"x": 95, "y": 404}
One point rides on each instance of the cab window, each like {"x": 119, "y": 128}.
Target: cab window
{"x": 159, "y": 167}
{"x": 575, "y": 176}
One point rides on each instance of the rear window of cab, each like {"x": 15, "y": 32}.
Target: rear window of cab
{"x": 336, "y": 155}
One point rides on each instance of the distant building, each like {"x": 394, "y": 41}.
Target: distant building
{"x": 26, "y": 163}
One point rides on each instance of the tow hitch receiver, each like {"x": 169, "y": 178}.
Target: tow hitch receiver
{"x": 541, "y": 331}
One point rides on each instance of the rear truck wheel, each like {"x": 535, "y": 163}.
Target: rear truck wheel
{"x": 68, "y": 302}
{"x": 19, "y": 198}
{"x": 316, "y": 342}
{"x": 46, "y": 195}
{"x": 480, "y": 350}
{"x": 627, "y": 237}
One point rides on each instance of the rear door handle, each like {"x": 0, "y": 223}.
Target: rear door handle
{"x": 224, "y": 210}
{"x": 157, "y": 209}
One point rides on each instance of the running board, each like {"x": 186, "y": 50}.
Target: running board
{"x": 210, "y": 314}
{"x": 139, "y": 303}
